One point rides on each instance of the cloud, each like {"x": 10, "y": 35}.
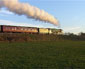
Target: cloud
{"x": 3, "y": 15}
{"x": 74, "y": 30}
{"x": 4, "y": 12}
{"x": 7, "y": 22}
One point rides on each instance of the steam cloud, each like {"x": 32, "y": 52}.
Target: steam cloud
{"x": 28, "y": 10}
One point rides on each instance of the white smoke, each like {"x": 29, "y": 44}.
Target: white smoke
{"x": 28, "y": 10}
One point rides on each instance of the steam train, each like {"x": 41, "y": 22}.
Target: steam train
{"x": 30, "y": 30}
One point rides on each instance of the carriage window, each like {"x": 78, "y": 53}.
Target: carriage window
{"x": 6, "y": 28}
{"x": 15, "y": 28}
{"x": 31, "y": 29}
{"x": 25, "y": 28}
{"x": 12, "y": 28}
{"x": 21, "y": 28}
{"x": 28, "y": 29}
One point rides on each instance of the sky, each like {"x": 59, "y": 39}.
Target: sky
{"x": 70, "y": 13}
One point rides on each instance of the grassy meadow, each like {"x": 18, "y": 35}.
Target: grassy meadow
{"x": 43, "y": 55}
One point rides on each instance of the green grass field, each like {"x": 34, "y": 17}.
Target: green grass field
{"x": 43, "y": 55}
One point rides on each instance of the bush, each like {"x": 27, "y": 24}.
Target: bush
{"x": 23, "y": 37}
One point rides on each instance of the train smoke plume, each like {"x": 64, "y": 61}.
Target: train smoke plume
{"x": 28, "y": 10}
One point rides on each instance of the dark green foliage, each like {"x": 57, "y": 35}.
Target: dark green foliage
{"x": 43, "y": 55}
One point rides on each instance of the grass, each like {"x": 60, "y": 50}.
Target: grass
{"x": 43, "y": 55}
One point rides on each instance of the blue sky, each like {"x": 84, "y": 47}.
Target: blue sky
{"x": 70, "y": 13}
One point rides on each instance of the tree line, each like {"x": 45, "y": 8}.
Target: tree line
{"x": 24, "y": 37}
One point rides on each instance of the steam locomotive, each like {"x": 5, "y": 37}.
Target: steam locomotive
{"x": 30, "y": 30}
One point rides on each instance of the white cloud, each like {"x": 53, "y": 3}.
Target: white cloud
{"x": 5, "y": 12}
{"x": 3, "y": 15}
{"x": 74, "y": 30}
{"x": 7, "y": 22}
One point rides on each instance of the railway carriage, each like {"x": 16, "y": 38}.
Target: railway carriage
{"x": 20, "y": 29}
{"x": 0, "y": 28}
{"x": 56, "y": 31}
{"x": 43, "y": 31}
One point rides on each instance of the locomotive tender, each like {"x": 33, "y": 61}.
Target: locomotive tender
{"x": 32, "y": 30}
